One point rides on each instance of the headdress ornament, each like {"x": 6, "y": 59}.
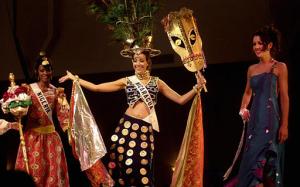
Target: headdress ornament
{"x": 131, "y": 22}
{"x": 45, "y": 61}
{"x": 44, "y": 58}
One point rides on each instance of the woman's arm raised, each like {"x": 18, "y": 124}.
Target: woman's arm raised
{"x": 181, "y": 99}
{"x": 103, "y": 87}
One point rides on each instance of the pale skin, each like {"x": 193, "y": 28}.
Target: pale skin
{"x": 280, "y": 70}
{"x": 140, "y": 66}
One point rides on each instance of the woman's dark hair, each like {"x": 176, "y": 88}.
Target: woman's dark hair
{"x": 267, "y": 35}
{"x": 41, "y": 59}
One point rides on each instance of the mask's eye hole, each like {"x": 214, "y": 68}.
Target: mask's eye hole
{"x": 177, "y": 41}
{"x": 193, "y": 37}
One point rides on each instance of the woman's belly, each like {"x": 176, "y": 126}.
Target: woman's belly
{"x": 139, "y": 110}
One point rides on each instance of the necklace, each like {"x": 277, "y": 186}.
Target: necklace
{"x": 143, "y": 76}
{"x": 271, "y": 60}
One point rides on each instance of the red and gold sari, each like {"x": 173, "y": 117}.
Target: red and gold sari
{"x": 46, "y": 157}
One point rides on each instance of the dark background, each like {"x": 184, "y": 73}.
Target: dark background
{"x": 75, "y": 41}
{"x": 73, "y": 38}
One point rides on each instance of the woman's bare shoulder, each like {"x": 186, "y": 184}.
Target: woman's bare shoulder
{"x": 252, "y": 68}
{"x": 281, "y": 64}
{"x": 281, "y": 67}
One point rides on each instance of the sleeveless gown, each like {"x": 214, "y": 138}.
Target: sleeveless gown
{"x": 262, "y": 159}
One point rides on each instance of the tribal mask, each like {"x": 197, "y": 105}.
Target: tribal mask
{"x": 185, "y": 39}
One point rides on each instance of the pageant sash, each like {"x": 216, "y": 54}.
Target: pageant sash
{"x": 147, "y": 100}
{"x": 42, "y": 100}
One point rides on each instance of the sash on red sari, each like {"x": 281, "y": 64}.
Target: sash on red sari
{"x": 42, "y": 100}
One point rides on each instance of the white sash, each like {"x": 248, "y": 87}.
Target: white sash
{"x": 42, "y": 100}
{"x": 147, "y": 100}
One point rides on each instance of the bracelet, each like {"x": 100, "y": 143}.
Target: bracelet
{"x": 242, "y": 111}
{"x": 196, "y": 89}
{"x": 76, "y": 78}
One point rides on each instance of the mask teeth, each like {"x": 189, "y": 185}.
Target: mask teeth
{"x": 192, "y": 57}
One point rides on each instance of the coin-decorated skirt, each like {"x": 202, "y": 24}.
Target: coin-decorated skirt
{"x": 131, "y": 153}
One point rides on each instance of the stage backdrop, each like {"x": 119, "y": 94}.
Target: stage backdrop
{"x": 75, "y": 41}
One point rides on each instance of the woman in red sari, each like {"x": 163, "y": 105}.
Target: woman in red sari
{"x": 46, "y": 157}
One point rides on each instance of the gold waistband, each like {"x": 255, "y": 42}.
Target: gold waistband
{"x": 45, "y": 129}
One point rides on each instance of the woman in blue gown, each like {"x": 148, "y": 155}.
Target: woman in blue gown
{"x": 267, "y": 130}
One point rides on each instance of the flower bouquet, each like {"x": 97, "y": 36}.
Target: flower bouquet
{"x": 16, "y": 101}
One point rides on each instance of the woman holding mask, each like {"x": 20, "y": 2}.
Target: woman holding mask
{"x": 132, "y": 146}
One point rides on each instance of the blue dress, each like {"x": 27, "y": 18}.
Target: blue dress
{"x": 262, "y": 159}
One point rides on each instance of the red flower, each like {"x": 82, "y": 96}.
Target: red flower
{"x": 20, "y": 90}
{"x": 8, "y": 95}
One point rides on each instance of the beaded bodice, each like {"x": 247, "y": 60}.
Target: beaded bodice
{"x": 133, "y": 94}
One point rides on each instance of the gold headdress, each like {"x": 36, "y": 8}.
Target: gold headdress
{"x": 131, "y": 22}
{"x": 185, "y": 39}
{"x": 43, "y": 58}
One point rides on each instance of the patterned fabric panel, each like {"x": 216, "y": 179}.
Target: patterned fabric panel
{"x": 133, "y": 94}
